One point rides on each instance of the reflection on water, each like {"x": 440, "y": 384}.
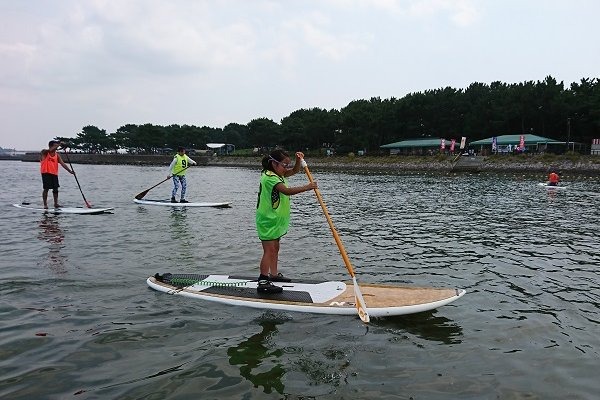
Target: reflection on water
{"x": 51, "y": 232}
{"x": 259, "y": 362}
{"x": 424, "y": 325}
{"x": 182, "y": 235}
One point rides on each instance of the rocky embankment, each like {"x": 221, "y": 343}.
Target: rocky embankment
{"x": 571, "y": 163}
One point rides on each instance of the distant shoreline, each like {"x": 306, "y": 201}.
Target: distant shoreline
{"x": 505, "y": 163}
{"x": 581, "y": 165}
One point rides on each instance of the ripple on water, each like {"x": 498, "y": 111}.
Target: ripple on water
{"x": 527, "y": 327}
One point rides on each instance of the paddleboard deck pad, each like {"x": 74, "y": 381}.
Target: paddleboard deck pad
{"x": 168, "y": 203}
{"x": 66, "y": 210}
{"x": 331, "y": 297}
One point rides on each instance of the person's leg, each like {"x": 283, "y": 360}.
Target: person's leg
{"x": 45, "y": 197}
{"x": 175, "y": 187}
{"x": 270, "y": 255}
{"x": 55, "y": 186}
{"x": 183, "y": 187}
{"x": 274, "y": 259}
{"x": 55, "y": 196}
{"x": 270, "y": 252}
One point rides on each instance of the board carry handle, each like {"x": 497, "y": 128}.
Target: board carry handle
{"x": 361, "y": 306}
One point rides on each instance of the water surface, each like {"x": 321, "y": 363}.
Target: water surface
{"x": 78, "y": 321}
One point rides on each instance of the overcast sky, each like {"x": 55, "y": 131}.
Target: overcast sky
{"x": 65, "y": 64}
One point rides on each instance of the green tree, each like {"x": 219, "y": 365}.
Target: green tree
{"x": 92, "y": 139}
{"x": 264, "y": 132}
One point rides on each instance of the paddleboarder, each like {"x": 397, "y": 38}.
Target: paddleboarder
{"x": 49, "y": 160}
{"x": 177, "y": 169}
{"x": 273, "y": 213}
{"x": 553, "y": 178}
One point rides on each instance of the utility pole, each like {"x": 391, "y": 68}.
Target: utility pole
{"x": 568, "y": 132}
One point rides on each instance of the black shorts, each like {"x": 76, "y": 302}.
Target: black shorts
{"x": 50, "y": 181}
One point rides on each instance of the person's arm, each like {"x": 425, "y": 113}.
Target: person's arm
{"x": 297, "y": 165}
{"x": 290, "y": 191}
{"x": 171, "y": 166}
{"x": 65, "y": 166}
{"x": 190, "y": 161}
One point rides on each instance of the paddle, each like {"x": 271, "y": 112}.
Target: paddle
{"x": 139, "y": 196}
{"x": 87, "y": 204}
{"x": 358, "y": 297}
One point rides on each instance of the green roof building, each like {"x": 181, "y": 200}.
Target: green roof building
{"x": 507, "y": 143}
{"x": 418, "y": 146}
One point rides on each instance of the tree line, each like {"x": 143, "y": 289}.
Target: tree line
{"x": 545, "y": 108}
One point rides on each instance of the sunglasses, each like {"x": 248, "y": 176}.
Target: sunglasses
{"x": 284, "y": 165}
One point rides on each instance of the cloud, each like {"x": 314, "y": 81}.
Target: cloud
{"x": 317, "y": 32}
{"x": 461, "y": 12}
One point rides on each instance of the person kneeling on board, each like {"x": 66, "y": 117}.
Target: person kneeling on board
{"x": 177, "y": 168}
{"x": 553, "y": 179}
{"x": 273, "y": 213}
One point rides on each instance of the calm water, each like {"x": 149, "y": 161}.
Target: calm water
{"x": 78, "y": 321}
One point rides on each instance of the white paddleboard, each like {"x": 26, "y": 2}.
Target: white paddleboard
{"x": 168, "y": 203}
{"x": 333, "y": 297}
{"x": 545, "y": 184}
{"x": 66, "y": 210}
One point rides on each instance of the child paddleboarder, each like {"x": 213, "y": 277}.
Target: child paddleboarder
{"x": 273, "y": 213}
{"x": 177, "y": 169}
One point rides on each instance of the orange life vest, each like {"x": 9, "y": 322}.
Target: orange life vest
{"x": 49, "y": 164}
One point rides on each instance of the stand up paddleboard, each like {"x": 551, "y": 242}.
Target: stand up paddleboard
{"x": 545, "y": 184}
{"x": 167, "y": 203}
{"x": 65, "y": 210}
{"x": 333, "y": 297}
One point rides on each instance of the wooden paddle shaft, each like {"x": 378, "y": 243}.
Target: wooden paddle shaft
{"x": 361, "y": 305}
{"x": 336, "y": 237}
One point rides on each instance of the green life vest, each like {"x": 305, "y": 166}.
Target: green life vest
{"x": 180, "y": 165}
{"x": 272, "y": 208}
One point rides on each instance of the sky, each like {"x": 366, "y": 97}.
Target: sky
{"x": 66, "y": 64}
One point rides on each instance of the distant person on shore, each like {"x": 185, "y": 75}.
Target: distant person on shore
{"x": 553, "y": 178}
{"x": 273, "y": 213}
{"x": 49, "y": 161}
{"x": 181, "y": 162}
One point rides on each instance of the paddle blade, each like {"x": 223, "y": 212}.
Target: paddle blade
{"x": 141, "y": 195}
{"x": 361, "y": 306}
